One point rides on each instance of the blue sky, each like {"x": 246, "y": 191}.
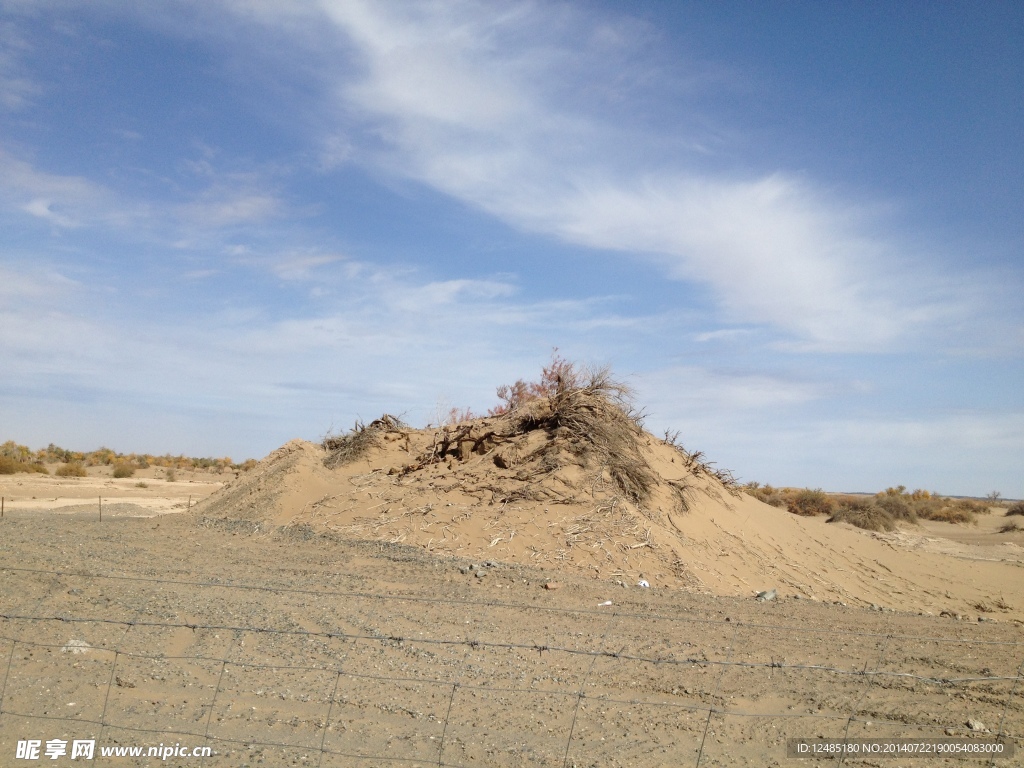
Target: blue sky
{"x": 795, "y": 228}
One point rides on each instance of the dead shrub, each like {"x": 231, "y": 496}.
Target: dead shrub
{"x": 766, "y": 493}
{"x": 954, "y": 513}
{"x": 897, "y": 507}
{"x": 865, "y": 514}
{"x": 810, "y": 503}
{"x": 10, "y": 466}
{"x": 1010, "y": 528}
{"x": 595, "y": 414}
{"x": 357, "y": 442}
{"x": 123, "y": 469}
{"x": 1017, "y": 508}
{"x": 71, "y": 469}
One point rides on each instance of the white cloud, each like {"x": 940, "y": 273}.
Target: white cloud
{"x": 16, "y": 87}
{"x": 507, "y": 109}
{"x": 65, "y": 201}
{"x": 677, "y": 392}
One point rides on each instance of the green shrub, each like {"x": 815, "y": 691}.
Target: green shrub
{"x": 811, "y": 503}
{"x": 123, "y": 469}
{"x": 71, "y": 469}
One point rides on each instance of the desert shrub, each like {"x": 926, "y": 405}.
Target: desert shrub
{"x": 358, "y": 441}
{"x": 810, "y": 503}
{"x": 71, "y": 469}
{"x": 123, "y": 469}
{"x": 866, "y": 514}
{"x": 246, "y": 465}
{"x": 1010, "y": 528}
{"x": 1017, "y": 508}
{"x": 595, "y": 414}
{"x": 560, "y": 375}
{"x": 170, "y": 475}
{"x": 10, "y": 465}
{"x": 898, "y": 508}
{"x": 14, "y": 451}
{"x": 766, "y": 493}
{"x": 953, "y": 513}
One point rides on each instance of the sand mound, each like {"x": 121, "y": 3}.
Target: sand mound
{"x": 573, "y": 482}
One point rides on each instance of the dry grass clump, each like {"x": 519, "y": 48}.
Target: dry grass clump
{"x": 1016, "y": 509}
{"x": 698, "y": 464}
{"x": 357, "y": 442}
{"x": 592, "y": 412}
{"x": 810, "y": 503}
{"x": 766, "y": 493}
{"x": 123, "y": 469}
{"x": 929, "y": 506}
{"x": 955, "y": 513}
{"x": 1010, "y": 528}
{"x": 71, "y": 469}
{"x": 9, "y": 466}
{"x": 898, "y": 508}
{"x": 866, "y": 514}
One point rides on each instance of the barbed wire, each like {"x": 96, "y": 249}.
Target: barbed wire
{"x": 709, "y": 709}
{"x": 728, "y": 622}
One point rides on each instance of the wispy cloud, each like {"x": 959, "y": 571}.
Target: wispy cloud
{"x": 492, "y": 107}
{"x": 16, "y": 86}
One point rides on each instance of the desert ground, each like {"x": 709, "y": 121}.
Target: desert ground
{"x": 479, "y": 605}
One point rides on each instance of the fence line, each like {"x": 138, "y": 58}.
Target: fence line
{"x": 473, "y": 644}
{"x": 493, "y": 604}
{"x": 870, "y": 675}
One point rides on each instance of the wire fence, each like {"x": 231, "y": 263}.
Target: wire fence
{"x": 384, "y": 679}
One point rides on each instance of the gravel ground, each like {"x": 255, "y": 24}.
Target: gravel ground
{"x": 291, "y": 648}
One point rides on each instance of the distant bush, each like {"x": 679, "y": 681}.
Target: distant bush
{"x": 953, "y": 515}
{"x": 897, "y": 507}
{"x": 9, "y": 466}
{"x": 1017, "y": 508}
{"x": 72, "y": 469}
{"x": 866, "y": 514}
{"x": 811, "y": 503}
{"x": 123, "y": 469}
{"x": 766, "y": 493}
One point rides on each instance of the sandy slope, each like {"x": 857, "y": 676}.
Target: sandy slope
{"x": 503, "y": 502}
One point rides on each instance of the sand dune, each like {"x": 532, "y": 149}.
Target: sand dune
{"x": 488, "y": 490}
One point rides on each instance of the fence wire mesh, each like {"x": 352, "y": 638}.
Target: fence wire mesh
{"x": 300, "y": 671}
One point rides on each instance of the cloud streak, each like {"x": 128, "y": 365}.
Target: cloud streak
{"x": 464, "y": 99}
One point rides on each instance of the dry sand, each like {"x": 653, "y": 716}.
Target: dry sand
{"x": 306, "y": 615}
{"x": 725, "y": 544}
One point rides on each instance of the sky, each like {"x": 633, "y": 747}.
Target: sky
{"x": 796, "y": 229}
